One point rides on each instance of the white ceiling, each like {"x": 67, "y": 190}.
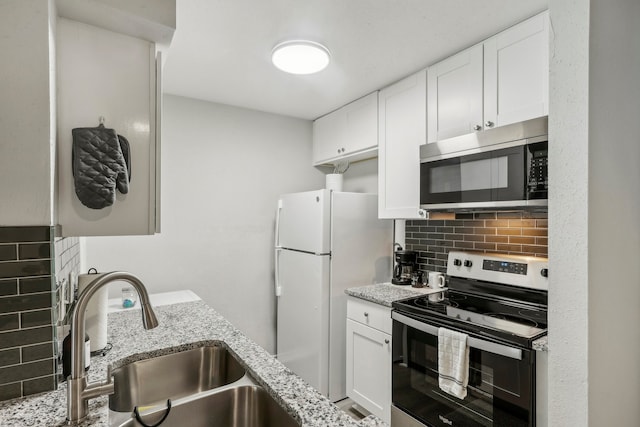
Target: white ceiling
{"x": 221, "y": 48}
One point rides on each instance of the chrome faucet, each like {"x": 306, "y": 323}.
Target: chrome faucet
{"x": 79, "y": 391}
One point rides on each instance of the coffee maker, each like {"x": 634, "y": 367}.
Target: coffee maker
{"x": 406, "y": 266}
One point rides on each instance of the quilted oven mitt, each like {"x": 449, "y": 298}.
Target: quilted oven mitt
{"x": 100, "y": 160}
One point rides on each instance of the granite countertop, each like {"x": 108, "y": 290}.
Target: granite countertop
{"x": 541, "y": 344}
{"x": 182, "y": 325}
{"x": 386, "y": 293}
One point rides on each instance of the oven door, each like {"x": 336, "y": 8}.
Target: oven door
{"x": 501, "y": 379}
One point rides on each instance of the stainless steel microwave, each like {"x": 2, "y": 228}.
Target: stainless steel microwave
{"x": 505, "y": 167}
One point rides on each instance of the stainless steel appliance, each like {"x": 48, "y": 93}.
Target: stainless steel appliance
{"x": 500, "y": 302}
{"x": 405, "y": 266}
{"x": 501, "y": 167}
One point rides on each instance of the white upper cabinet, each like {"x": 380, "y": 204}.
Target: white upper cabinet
{"x": 349, "y": 133}
{"x": 103, "y": 74}
{"x": 455, "y": 95}
{"x": 403, "y": 128}
{"x": 516, "y": 73}
{"x": 501, "y": 81}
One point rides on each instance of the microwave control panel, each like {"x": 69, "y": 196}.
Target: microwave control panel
{"x": 538, "y": 170}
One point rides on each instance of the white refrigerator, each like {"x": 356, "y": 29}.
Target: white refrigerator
{"x": 325, "y": 242}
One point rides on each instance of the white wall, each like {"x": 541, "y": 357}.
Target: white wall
{"x": 594, "y": 377}
{"x": 222, "y": 171}
{"x": 362, "y": 177}
{"x": 568, "y": 213}
{"x": 27, "y": 105}
{"x": 614, "y": 213}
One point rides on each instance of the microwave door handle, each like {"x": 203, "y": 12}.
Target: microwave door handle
{"x": 491, "y": 347}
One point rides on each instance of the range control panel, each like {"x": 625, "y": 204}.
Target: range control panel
{"x": 504, "y": 266}
{"x": 516, "y": 270}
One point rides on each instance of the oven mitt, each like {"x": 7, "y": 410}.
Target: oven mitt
{"x": 100, "y": 165}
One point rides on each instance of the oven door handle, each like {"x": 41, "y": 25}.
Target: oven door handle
{"x": 491, "y": 347}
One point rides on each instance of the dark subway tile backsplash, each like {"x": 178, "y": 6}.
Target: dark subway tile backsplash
{"x": 26, "y": 337}
{"x": 10, "y": 391}
{"x": 512, "y": 232}
{"x": 26, "y": 234}
{"x": 9, "y": 357}
{"x": 34, "y": 251}
{"x": 37, "y": 352}
{"x": 8, "y": 287}
{"x": 24, "y": 268}
{"x": 8, "y": 253}
{"x": 31, "y": 319}
{"x": 34, "y": 285}
{"x": 25, "y": 302}
{"x": 26, "y": 371}
{"x": 27, "y": 344}
{"x": 39, "y": 385}
{"x": 9, "y": 322}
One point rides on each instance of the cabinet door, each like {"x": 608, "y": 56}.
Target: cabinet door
{"x": 328, "y": 134}
{"x": 402, "y": 124}
{"x": 90, "y": 85}
{"x": 516, "y": 78}
{"x": 361, "y": 124}
{"x": 348, "y": 133}
{"x": 369, "y": 369}
{"x": 454, "y": 91}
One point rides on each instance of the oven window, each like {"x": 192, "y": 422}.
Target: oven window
{"x": 499, "y": 391}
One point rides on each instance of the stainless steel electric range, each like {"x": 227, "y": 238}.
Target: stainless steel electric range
{"x": 500, "y": 302}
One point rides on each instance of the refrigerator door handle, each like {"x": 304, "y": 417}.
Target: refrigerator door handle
{"x": 277, "y": 272}
{"x": 277, "y": 234}
{"x": 278, "y": 288}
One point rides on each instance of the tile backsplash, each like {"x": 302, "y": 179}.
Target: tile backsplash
{"x": 509, "y": 232}
{"x": 30, "y": 260}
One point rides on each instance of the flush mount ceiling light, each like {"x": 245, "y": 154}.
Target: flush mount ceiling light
{"x": 300, "y": 57}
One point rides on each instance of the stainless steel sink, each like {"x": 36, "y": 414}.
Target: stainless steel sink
{"x": 233, "y": 406}
{"x": 151, "y": 382}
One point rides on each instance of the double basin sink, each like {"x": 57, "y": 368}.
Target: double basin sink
{"x": 206, "y": 385}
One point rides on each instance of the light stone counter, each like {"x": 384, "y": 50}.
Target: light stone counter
{"x": 541, "y": 344}
{"x": 386, "y": 293}
{"x": 182, "y": 325}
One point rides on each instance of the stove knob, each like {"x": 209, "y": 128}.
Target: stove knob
{"x": 544, "y": 272}
{"x": 467, "y": 263}
{"x": 457, "y": 262}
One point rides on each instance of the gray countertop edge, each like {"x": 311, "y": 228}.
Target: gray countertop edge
{"x": 182, "y": 326}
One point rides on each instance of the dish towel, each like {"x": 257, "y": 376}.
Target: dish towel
{"x": 453, "y": 362}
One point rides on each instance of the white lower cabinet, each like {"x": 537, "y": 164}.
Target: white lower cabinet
{"x": 369, "y": 356}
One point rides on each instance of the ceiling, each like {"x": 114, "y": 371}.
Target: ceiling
{"x": 221, "y": 48}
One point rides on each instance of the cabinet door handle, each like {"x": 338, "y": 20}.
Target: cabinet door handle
{"x": 366, "y": 314}
{"x": 386, "y": 341}
{"x": 477, "y": 127}
{"x": 488, "y": 123}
